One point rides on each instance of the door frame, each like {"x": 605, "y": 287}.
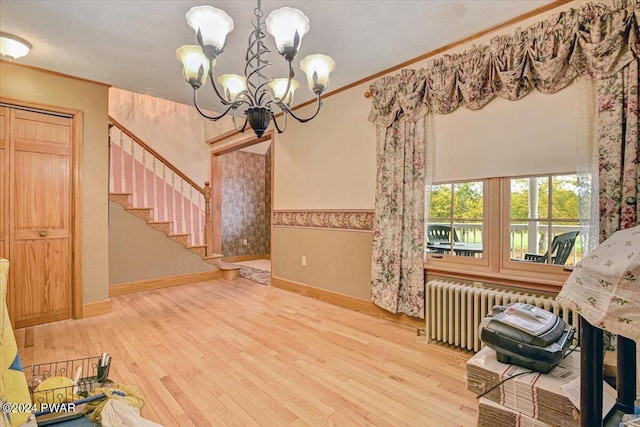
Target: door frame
{"x": 216, "y": 183}
{"x": 77, "y": 120}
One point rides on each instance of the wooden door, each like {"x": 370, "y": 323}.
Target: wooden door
{"x": 4, "y": 182}
{"x": 40, "y": 218}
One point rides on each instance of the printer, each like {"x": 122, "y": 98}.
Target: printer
{"x": 528, "y": 336}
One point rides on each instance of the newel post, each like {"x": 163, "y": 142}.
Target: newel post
{"x": 208, "y": 225}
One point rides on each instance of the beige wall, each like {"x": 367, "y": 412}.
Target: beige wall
{"x": 138, "y": 252}
{"x": 35, "y": 86}
{"x": 213, "y": 129}
{"x": 329, "y": 162}
{"x": 337, "y": 260}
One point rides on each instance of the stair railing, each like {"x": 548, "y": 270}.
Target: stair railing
{"x": 153, "y": 182}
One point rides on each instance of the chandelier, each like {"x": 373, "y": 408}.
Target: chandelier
{"x": 253, "y": 94}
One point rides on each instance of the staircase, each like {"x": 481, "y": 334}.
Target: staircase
{"x": 148, "y": 186}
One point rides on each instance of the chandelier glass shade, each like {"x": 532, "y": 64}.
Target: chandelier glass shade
{"x": 253, "y": 94}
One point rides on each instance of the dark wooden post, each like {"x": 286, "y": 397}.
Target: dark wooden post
{"x": 591, "y": 374}
{"x": 626, "y": 378}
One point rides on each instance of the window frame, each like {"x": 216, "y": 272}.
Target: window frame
{"x": 474, "y": 263}
{"x": 549, "y": 271}
{"x": 452, "y": 220}
{"x": 496, "y": 265}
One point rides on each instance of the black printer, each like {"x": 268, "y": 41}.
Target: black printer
{"x": 525, "y": 335}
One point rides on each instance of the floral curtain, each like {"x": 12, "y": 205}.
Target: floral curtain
{"x": 398, "y": 231}
{"x": 619, "y": 150}
{"x": 594, "y": 41}
{"x": 618, "y": 158}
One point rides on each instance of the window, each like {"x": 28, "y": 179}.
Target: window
{"x": 516, "y": 229}
{"x": 544, "y": 219}
{"x": 456, "y": 219}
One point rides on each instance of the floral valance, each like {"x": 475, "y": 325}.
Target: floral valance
{"x": 593, "y": 41}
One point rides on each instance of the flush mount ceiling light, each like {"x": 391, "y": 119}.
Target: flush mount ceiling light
{"x": 254, "y": 94}
{"x": 13, "y": 47}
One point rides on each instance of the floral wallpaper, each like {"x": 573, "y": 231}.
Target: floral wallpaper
{"x": 344, "y": 220}
{"x": 245, "y": 211}
{"x": 267, "y": 197}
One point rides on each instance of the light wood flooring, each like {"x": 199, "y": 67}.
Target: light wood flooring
{"x": 223, "y": 352}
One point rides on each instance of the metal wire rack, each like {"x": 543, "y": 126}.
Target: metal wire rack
{"x": 92, "y": 375}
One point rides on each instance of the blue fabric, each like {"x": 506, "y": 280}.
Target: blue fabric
{"x": 78, "y": 422}
{"x": 16, "y": 365}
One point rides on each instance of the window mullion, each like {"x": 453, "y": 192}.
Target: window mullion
{"x": 550, "y": 220}
{"x": 452, "y": 210}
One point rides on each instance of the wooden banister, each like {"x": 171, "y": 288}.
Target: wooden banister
{"x": 208, "y": 224}
{"x": 156, "y": 154}
{"x": 150, "y": 181}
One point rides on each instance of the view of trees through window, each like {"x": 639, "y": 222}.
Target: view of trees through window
{"x": 467, "y": 202}
{"x": 545, "y": 219}
{"x": 565, "y": 197}
{"x": 455, "y": 219}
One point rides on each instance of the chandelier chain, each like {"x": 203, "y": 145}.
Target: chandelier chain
{"x": 258, "y": 10}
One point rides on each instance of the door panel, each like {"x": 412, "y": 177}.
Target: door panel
{"x": 40, "y": 224}
{"x": 41, "y": 194}
{"x": 41, "y": 278}
{"x": 4, "y": 207}
{"x": 4, "y": 122}
{"x": 41, "y": 133}
{"x": 4, "y": 182}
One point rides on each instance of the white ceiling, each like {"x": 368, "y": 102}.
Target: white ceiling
{"x": 131, "y": 44}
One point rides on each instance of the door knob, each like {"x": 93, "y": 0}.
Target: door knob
{"x": 43, "y": 233}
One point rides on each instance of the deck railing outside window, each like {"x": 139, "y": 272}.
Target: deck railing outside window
{"x": 519, "y": 237}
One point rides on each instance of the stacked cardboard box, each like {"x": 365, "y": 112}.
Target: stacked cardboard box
{"x": 490, "y": 414}
{"x": 534, "y": 395}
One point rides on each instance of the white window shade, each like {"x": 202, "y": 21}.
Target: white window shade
{"x": 540, "y": 134}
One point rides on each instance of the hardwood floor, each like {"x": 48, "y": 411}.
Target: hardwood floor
{"x": 224, "y": 352}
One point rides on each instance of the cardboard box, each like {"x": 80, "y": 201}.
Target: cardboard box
{"x": 490, "y": 414}
{"x": 534, "y": 395}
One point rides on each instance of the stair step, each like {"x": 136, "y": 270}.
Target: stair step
{"x": 198, "y": 250}
{"x": 144, "y": 213}
{"x": 214, "y": 259}
{"x": 123, "y": 199}
{"x": 229, "y": 271}
{"x": 180, "y": 238}
{"x": 229, "y": 266}
{"x": 164, "y": 226}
